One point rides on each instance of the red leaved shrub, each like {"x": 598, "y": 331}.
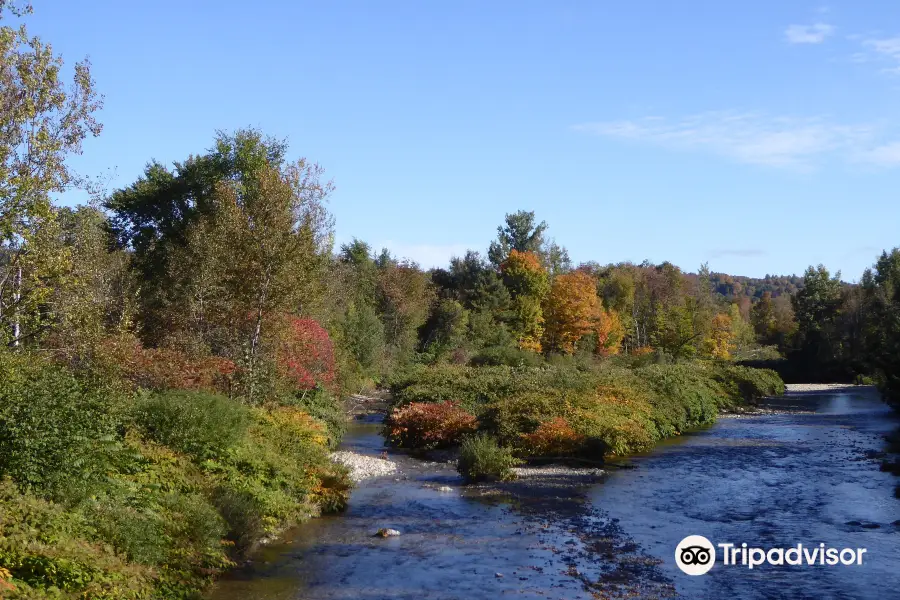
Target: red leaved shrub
{"x": 553, "y": 438}
{"x": 165, "y": 368}
{"x": 306, "y": 354}
{"x": 429, "y": 425}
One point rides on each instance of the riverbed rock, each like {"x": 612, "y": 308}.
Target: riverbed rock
{"x": 384, "y": 532}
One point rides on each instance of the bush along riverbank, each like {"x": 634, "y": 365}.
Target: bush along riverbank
{"x": 111, "y": 492}
{"x": 560, "y": 412}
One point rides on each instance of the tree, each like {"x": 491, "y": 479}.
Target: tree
{"x": 610, "y": 332}
{"x": 720, "y": 342}
{"x": 225, "y": 246}
{"x": 446, "y": 327}
{"x": 277, "y": 251}
{"x": 479, "y": 289}
{"x": 404, "y": 298}
{"x": 816, "y": 306}
{"x": 527, "y": 283}
{"x": 42, "y": 122}
{"x": 96, "y": 296}
{"x": 163, "y": 212}
{"x": 520, "y": 233}
{"x": 557, "y": 258}
{"x": 881, "y": 287}
{"x": 363, "y": 334}
{"x": 571, "y": 311}
{"x": 742, "y": 335}
{"x": 762, "y": 316}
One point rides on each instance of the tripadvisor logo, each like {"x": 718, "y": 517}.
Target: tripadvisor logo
{"x": 696, "y": 555}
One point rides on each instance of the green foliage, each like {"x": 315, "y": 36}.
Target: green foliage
{"x": 57, "y": 432}
{"x": 42, "y": 122}
{"x": 324, "y": 406}
{"x": 51, "y": 555}
{"x": 611, "y": 409}
{"x": 481, "y": 458}
{"x": 158, "y": 493}
{"x": 519, "y": 233}
{"x": 748, "y": 385}
{"x": 683, "y": 396}
{"x": 506, "y": 356}
{"x": 363, "y": 335}
{"x": 204, "y": 426}
{"x": 445, "y": 329}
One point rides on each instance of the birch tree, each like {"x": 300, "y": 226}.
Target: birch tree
{"x": 42, "y": 122}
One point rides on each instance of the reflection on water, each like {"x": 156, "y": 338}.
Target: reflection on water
{"x": 771, "y": 481}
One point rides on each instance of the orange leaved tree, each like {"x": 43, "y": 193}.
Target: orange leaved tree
{"x": 571, "y": 311}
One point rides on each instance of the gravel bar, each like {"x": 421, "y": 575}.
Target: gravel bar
{"x": 362, "y": 466}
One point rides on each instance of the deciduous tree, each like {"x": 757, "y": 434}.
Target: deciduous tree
{"x": 528, "y": 284}
{"x": 571, "y": 311}
{"x": 43, "y": 121}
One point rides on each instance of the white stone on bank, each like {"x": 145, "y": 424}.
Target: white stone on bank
{"x": 362, "y": 466}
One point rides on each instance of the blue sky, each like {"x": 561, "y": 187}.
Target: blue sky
{"x": 761, "y": 137}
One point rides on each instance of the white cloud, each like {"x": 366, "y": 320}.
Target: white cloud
{"x": 750, "y": 138}
{"x": 427, "y": 255}
{"x": 886, "y": 49}
{"x": 808, "y": 34}
{"x": 885, "y": 155}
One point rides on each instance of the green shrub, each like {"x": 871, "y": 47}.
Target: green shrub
{"x": 161, "y": 479}
{"x": 683, "y": 396}
{"x": 244, "y": 514}
{"x": 746, "y": 384}
{"x": 509, "y": 356}
{"x": 199, "y": 424}
{"x": 324, "y": 406}
{"x": 49, "y": 552}
{"x": 58, "y": 434}
{"x": 610, "y": 408}
{"x": 481, "y": 458}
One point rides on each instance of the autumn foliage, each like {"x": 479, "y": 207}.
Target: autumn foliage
{"x": 165, "y": 368}
{"x": 571, "y": 311}
{"x": 721, "y": 338}
{"x": 429, "y": 425}
{"x": 553, "y": 438}
{"x": 610, "y": 332}
{"x": 528, "y": 283}
{"x": 306, "y": 354}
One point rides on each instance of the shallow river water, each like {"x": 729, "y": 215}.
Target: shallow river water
{"x": 768, "y": 481}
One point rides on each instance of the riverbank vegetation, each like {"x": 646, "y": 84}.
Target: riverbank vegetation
{"x": 173, "y": 353}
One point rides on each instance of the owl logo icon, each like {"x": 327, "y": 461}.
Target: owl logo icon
{"x": 695, "y": 555}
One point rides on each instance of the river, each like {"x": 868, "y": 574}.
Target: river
{"x": 769, "y": 481}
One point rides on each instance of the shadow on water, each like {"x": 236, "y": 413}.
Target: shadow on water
{"x": 772, "y": 480}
